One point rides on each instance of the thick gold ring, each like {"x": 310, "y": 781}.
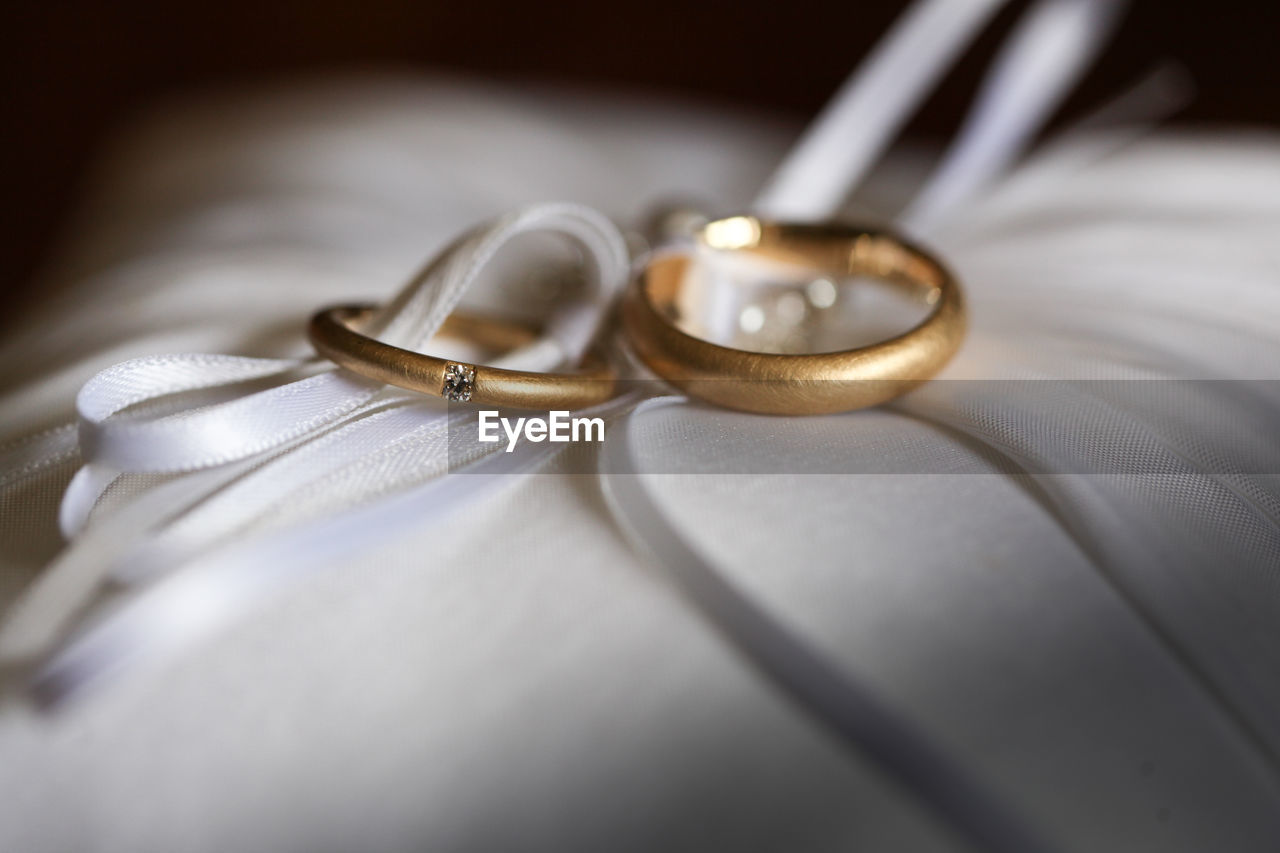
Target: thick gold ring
{"x": 334, "y": 332}
{"x": 811, "y": 383}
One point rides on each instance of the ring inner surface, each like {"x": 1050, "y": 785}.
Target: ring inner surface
{"x": 462, "y": 336}
{"x": 794, "y": 289}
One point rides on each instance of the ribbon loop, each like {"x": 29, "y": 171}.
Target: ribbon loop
{"x": 114, "y": 440}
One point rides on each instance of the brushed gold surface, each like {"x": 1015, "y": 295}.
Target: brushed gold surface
{"x": 808, "y": 384}
{"x": 334, "y": 334}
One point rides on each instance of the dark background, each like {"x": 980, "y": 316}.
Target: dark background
{"x": 75, "y": 70}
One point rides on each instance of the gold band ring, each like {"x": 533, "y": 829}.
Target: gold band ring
{"x": 334, "y": 333}
{"x": 812, "y": 383}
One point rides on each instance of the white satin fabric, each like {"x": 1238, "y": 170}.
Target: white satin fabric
{"x": 516, "y": 676}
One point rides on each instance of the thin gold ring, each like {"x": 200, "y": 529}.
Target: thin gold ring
{"x": 811, "y": 383}
{"x": 334, "y": 332}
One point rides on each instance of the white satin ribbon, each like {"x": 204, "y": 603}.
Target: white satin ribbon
{"x": 218, "y": 445}
{"x": 820, "y": 686}
{"x": 222, "y": 584}
{"x": 1040, "y": 63}
{"x": 865, "y": 114}
{"x": 1055, "y": 41}
{"x": 111, "y": 442}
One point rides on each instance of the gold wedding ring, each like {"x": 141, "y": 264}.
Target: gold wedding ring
{"x": 335, "y": 334}
{"x": 811, "y": 383}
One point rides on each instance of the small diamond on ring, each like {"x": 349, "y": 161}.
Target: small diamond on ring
{"x": 459, "y": 382}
